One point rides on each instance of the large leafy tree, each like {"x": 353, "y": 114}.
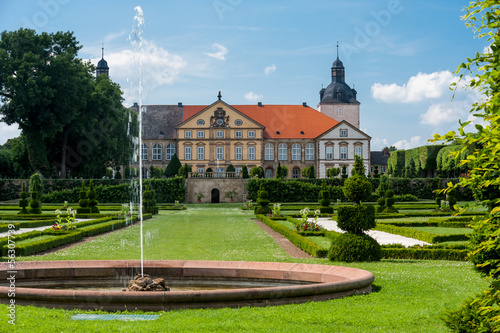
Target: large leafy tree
{"x": 43, "y": 87}
{"x": 483, "y": 162}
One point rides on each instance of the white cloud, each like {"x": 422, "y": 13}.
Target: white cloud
{"x": 487, "y": 49}
{"x": 8, "y": 132}
{"x": 378, "y": 143}
{"x": 219, "y": 53}
{"x": 415, "y": 141}
{"x": 158, "y": 67}
{"x": 253, "y": 97}
{"x": 419, "y": 87}
{"x": 442, "y": 113}
{"x": 270, "y": 69}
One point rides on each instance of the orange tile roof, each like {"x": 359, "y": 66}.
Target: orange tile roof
{"x": 288, "y": 120}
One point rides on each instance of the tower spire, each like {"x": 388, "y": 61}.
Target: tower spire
{"x": 102, "y": 65}
{"x": 102, "y": 56}
{"x": 337, "y": 49}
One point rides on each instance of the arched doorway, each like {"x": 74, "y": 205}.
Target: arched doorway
{"x": 215, "y": 196}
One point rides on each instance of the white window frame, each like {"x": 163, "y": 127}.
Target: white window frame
{"x": 219, "y": 153}
{"x": 329, "y": 152}
{"x": 295, "y": 173}
{"x": 201, "y": 170}
{"x": 310, "y": 152}
{"x": 283, "y": 152}
{"x": 343, "y": 133}
{"x": 144, "y": 152}
{"x": 343, "y": 152}
{"x": 200, "y": 153}
{"x": 238, "y": 153}
{"x": 382, "y": 169}
{"x": 157, "y": 152}
{"x": 238, "y": 134}
{"x": 296, "y": 152}
{"x": 169, "y": 151}
{"x": 188, "y": 134}
{"x": 251, "y": 153}
{"x": 202, "y": 134}
{"x": 187, "y": 153}
{"x": 219, "y": 134}
{"x": 269, "y": 152}
{"x": 251, "y": 134}
{"x": 358, "y": 150}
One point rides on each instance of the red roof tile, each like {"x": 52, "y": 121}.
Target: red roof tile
{"x": 287, "y": 120}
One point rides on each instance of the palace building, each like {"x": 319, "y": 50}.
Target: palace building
{"x": 296, "y": 136}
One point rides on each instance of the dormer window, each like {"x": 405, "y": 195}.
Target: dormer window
{"x": 278, "y": 132}
{"x": 343, "y": 133}
{"x": 302, "y": 132}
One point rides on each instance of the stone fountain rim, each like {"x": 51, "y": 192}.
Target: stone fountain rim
{"x": 326, "y": 282}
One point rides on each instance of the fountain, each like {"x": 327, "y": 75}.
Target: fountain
{"x": 245, "y": 283}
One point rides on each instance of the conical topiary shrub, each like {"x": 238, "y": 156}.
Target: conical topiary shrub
{"x": 324, "y": 200}
{"x": 389, "y": 202}
{"x": 23, "y": 202}
{"x": 83, "y": 202}
{"x": 262, "y": 201}
{"x": 35, "y": 205}
{"x": 148, "y": 201}
{"x": 91, "y": 196}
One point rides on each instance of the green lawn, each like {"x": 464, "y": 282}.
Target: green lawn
{"x": 409, "y": 296}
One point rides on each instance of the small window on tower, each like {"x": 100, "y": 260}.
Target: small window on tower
{"x": 340, "y": 110}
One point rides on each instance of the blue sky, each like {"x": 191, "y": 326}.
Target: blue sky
{"x": 399, "y": 54}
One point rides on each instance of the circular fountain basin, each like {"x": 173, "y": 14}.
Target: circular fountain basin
{"x": 262, "y": 284}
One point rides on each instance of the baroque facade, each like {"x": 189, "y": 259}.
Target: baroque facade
{"x": 296, "y": 136}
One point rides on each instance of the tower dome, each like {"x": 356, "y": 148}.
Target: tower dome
{"x": 102, "y": 66}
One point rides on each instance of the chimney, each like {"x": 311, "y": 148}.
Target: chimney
{"x": 259, "y": 104}
{"x": 304, "y": 104}
{"x": 179, "y": 105}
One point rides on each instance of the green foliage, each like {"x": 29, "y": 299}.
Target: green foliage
{"x": 155, "y": 172}
{"x": 424, "y": 253}
{"x": 148, "y": 200}
{"x": 39, "y": 244}
{"x": 23, "y": 202}
{"x": 359, "y": 167}
{"x": 257, "y": 171}
{"x": 185, "y": 170}
{"x": 173, "y": 167}
{"x": 324, "y": 196}
{"x": 281, "y": 171}
{"x": 333, "y": 172}
{"x": 263, "y": 202}
{"x": 357, "y": 188}
{"x": 356, "y": 218}
{"x": 35, "y": 204}
{"x": 230, "y": 170}
{"x": 36, "y": 179}
{"x": 244, "y": 172}
{"x": 354, "y": 248}
{"x": 344, "y": 172}
{"x": 130, "y": 172}
{"x": 91, "y": 195}
{"x": 471, "y": 317}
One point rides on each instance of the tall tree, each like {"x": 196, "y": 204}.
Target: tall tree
{"x": 43, "y": 87}
{"x": 482, "y": 313}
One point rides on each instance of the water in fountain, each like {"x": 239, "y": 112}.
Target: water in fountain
{"x": 136, "y": 40}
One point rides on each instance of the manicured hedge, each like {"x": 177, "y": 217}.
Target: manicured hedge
{"x": 20, "y": 237}
{"x": 15, "y": 217}
{"x": 429, "y": 223}
{"x": 424, "y": 253}
{"x": 166, "y": 190}
{"x": 36, "y": 246}
{"x": 303, "y": 243}
{"x": 421, "y": 235}
{"x": 5, "y": 226}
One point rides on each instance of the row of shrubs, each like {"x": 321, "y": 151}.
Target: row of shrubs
{"x": 301, "y": 242}
{"x": 405, "y": 189}
{"x": 432, "y": 252}
{"x": 85, "y": 229}
{"x": 421, "y": 235}
{"x": 166, "y": 190}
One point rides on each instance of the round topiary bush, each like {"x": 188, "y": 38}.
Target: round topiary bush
{"x": 83, "y": 202}
{"x": 356, "y": 219}
{"x": 354, "y": 247}
{"x": 35, "y": 205}
{"x": 357, "y": 188}
{"x": 389, "y": 202}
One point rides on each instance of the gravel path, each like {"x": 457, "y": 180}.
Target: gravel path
{"x": 383, "y": 238}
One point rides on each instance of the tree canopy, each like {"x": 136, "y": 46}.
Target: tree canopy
{"x": 69, "y": 119}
